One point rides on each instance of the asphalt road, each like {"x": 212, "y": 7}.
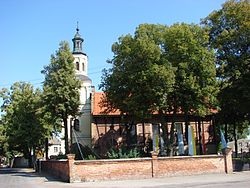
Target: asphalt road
{"x": 27, "y": 178}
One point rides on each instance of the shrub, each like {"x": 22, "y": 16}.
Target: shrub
{"x": 123, "y": 152}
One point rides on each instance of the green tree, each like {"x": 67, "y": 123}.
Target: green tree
{"x": 195, "y": 88}
{"x": 229, "y": 30}
{"x": 52, "y": 124}
{"x": 61, "y": 87}
{"x": 140, "y": 79}
{"x": 186, "y": 48}
{"x": 3, "y": 140}
{"x": 162, "y": 69}
{"x": 22, "y": 128}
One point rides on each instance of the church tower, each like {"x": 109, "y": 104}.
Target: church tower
{"x": 82, "y": 123}
{"x": 81, "y": 59}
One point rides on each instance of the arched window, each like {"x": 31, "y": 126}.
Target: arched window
{"x": 77, "y": 65}
{"x": 83, "y": 68}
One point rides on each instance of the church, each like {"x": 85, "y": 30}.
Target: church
{"x": 101, "y": 131}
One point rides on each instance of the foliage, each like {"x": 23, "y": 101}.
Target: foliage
{"x": 61, "y": 88}
{"x": 243, "y": 160}
{"x": 195, "y": 88}
{"x": 123, "y": 152}
{"x": 140, "y": 80}
{"x": 21, "y": 124}
{"x": 229, "y": 30}
{"x": 242, "y": 131}
{"x": 90, "y": 157}
{"x": 219, "y": 147}
{"x": 162, "y": 69}
{"x": 86, "y": 152}
{"x": 3, "y": 140}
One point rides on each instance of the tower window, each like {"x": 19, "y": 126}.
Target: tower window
{"x": 83, "y": 68}
{"x": 78, "y": 44}
{"x": 77, "y": 65}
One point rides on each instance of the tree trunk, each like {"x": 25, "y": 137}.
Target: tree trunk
{"x": 143, "y": 133}
{"x": 203, "y": 139}
{"x": 186, "y": 127}
{"x": 34, "y": 159}
{"x": 131, "y": 139}
{"x": 30, "y": 158}
{"x": 65, "y": 123}
{"x": 235, "y": 140}
{"x": 199, "y": 136}
{"x": 164, "y": 130}
{"x": 226, "y": 132}
{"x": 171, "y": 140}
{"x": 46, "y": 148}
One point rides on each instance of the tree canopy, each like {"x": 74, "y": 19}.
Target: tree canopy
{"x": 141, "y": 79}
{"x": 161, "y": 67}
{"x": 3, "y": 140}
{"x": 61, "y": 87}
{"x": 195, "y": 88}
{"x": 21, "y": 124}
{"x": 229, "y": 31}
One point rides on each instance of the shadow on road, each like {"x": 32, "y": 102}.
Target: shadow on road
{"x": 26, "y": 172}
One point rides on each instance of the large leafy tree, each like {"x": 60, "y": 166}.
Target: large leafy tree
{"x": 229, "y": 30}
{"x": 195, "y": 88}
{"x": 61, "y": 87}
{"x": 3, "y": 140}
{"x": 140, "y": 79}
{"x": 186, "y": 48}
{"x": 23, "y": 130}
{"x": 162, "y": 69}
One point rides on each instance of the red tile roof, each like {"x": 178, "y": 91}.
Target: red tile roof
{"x": 97, "y": 107}
{"x": 99, "y": 110}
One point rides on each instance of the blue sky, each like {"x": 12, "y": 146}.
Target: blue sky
{"x": 32, "y": 30}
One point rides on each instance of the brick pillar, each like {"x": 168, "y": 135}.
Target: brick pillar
{"x": 227, "y": 153}
{"x": 154, "y": 164}
{"x": 71, "y": 160}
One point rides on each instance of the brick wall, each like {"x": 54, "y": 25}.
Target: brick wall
{"x": 118, "y": 169}
{"x": 188, "y": 165}
{"x": 55, "y": 168}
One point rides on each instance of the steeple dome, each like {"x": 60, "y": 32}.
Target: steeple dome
{"x": 77, "y": 42}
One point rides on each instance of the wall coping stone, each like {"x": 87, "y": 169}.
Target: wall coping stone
{"x": 55, "y": 161}
{"x": 112, "y": 160}
{"x": 78, "y": 162}
{"x": 190, "y": 157}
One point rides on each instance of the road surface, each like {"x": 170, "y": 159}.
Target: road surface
{"x": 27, "y": 178}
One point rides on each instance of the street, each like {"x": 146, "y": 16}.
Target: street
{"x": 18, "y": 178}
